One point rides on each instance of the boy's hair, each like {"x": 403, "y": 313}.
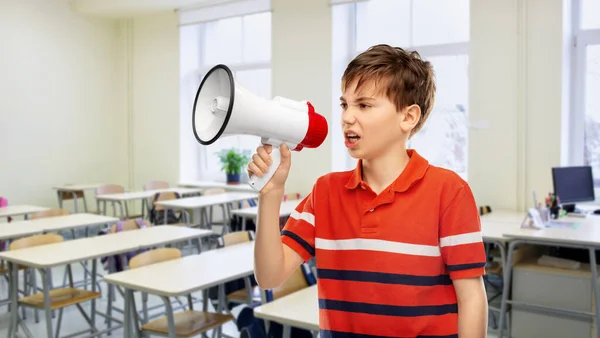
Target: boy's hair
{"x": 402, "y": 76}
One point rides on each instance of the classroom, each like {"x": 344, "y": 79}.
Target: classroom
{"x": 128, "y": 128}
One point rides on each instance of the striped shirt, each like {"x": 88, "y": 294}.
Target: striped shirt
{"x": 385, "y": 263}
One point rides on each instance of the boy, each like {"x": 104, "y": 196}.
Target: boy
{"x": 397, "y": 241}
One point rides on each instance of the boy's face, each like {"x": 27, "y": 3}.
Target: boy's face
{"x": 371, "y": 124}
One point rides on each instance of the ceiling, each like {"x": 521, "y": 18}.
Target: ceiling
{"x": 126, "y": 8}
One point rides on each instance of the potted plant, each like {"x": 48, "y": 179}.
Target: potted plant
{"x": 233, "y": 162}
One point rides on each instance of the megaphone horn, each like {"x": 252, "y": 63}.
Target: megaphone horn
{"x": 224, "y": 108}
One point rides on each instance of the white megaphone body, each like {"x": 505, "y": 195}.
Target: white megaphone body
{"x": 223, "y": 108}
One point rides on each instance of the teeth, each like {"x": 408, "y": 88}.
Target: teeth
{"x": 352, "y": 135}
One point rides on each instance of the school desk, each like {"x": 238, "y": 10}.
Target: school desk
{"x": 48, "y": 256}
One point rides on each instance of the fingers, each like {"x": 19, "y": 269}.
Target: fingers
{"x": 285, "y": 151}
{"x": 261, "y": 161}
{"x": 255, "y": 170}
{"x": 286, "y": 157}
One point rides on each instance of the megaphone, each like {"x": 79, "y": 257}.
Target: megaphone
{"x": 224, "y": 108}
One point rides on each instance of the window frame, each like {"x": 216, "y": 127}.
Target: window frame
{"x": 581, "y": 38}
{"x": 204, "y": 172}
{"x": 426, "y": 51}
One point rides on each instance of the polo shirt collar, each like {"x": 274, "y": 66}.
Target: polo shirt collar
{"x": 414, "y": 171}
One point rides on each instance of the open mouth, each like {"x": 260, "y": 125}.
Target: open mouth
{"x": 352, "y": 137}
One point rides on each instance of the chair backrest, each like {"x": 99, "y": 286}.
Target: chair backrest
{"x": 109, "y": 189}
{"x": 35, "y": 240}
{"x": 154, "y": 185}
{"x": 154, "y": 256}
{"x": 214, "y": 191}
{"x": 297, "y": 281}
{"x": 49, "y": 213}
{"x": 128, "y": 225}
{"x": 236, "y": 238}
{"x": 163, "y": 196}
{"x": 484, "y": 210}
{"x": 292, "y": 196}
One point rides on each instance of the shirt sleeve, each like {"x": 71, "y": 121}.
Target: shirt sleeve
{"x": 299, "y": 230}
{"x": 461, "y": 240}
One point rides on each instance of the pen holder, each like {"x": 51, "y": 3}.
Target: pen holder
{"x": 545, "y": 214}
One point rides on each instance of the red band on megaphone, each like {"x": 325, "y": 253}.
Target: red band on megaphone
{"x": 317, "y": 130}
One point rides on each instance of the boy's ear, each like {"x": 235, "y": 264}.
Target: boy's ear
{"x": 409, "y": 117}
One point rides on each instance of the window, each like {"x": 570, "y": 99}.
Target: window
{"x": 243, "y": 43}
{"x": 585, "y": 130}
{"x": 439, "y": 31}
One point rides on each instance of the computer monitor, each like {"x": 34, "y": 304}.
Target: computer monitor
{"x": 573, "y": 184}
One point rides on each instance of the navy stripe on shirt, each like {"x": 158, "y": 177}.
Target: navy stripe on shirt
{"x": 300, "y": 241}
{"x": 459, "y": 267}
{"x": 388, "y": 310}
{"x": 383, "y": 278}
{"x": 339, "y": 334}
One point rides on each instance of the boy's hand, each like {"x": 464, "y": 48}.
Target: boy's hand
{"x": 260, "y": 163}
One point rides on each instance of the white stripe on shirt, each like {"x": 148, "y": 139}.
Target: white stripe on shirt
{"x": 468, "y": 238}
{"x": 308, "y": 217}
{"x": 378, "y": 245}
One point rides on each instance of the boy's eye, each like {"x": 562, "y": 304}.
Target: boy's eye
{"x": 364, "y": 106}
{"x": 343, "y": 105}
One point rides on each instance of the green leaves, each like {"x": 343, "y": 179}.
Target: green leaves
{"x": 233, "y": 161}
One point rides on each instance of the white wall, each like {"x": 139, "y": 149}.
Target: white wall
{"x": 61, "y": 119}
{"x": 155, "y": 99}
{"x": 301, "y": 69}
{"x": 516, "y": 60}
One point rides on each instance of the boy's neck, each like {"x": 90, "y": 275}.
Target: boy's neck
{"x": 382, "y": 171}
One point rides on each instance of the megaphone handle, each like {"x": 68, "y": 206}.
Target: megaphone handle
{"x": 259, "y": 182}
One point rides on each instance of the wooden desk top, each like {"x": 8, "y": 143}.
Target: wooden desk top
{"x": 299, "y": 309}
{"x": 19, "y": 210}
{"x": 50, "y": 255}
{"x": 206, "y": 201}
{"x": 189, "y": 274}
{"x": 286, "y": 209}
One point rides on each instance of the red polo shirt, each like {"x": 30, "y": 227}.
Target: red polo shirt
{"x": 385, "y": 263}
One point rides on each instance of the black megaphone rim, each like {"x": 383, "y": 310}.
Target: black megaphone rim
{"x": 229, "y": 109}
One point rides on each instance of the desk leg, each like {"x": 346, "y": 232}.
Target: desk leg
{"x": 506, "y": 290}
{"x": 13, "y": 287}
{"x": 46, "y": 283}
{"x": 594, "y": 269}
{"x": 170, "y": 317}
{"x": 287, "y": 331}
{"x": 127, "y": 314}
{"x": 75, "y": 201}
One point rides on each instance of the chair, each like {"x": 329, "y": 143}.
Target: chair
{"x": 49, "y": 213}
{"x": 297, "y": 281}
{"x": 156, "y": 209}
{"x": 155, "y": 185}
{"x": 188, "y": 323}
{"x": 292, "y": 196}
{"x": 61, "y": 297}
{"x": 240, "y": 296}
